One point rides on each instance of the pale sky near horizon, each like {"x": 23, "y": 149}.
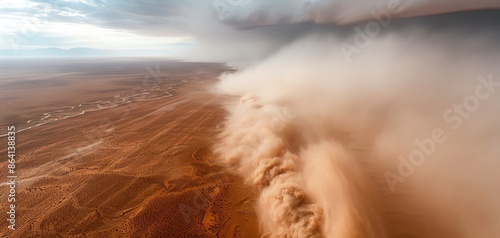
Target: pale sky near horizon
{"x": 34, "y": 24}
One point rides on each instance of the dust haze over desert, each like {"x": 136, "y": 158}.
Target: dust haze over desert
{"x": 315, "y": 118}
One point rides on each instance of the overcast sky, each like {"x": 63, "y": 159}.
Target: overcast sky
{"x": 179, "y": 25}
{"x": 110, "y": 25}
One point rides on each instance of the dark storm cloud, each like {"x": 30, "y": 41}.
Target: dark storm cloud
{"x": 263, "y": 12}
{"x": 241, "y": 29}
{"x": 170, "y": 17}
{"x": 192, "y": 17}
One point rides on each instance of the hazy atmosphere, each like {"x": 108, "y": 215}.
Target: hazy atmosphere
{"x": 250, "y": 118}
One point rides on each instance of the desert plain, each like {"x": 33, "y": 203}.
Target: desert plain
{"x": 118, "y": 148}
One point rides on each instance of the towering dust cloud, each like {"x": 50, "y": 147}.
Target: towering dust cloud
{"x": 400, "y": 141}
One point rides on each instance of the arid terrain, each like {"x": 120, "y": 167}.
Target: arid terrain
{"x": 144, "y": 168}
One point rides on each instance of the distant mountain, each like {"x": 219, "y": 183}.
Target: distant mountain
{"x": 78, "y": 52}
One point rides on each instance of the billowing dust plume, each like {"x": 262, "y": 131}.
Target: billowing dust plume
{"x": 399, "y": 141}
